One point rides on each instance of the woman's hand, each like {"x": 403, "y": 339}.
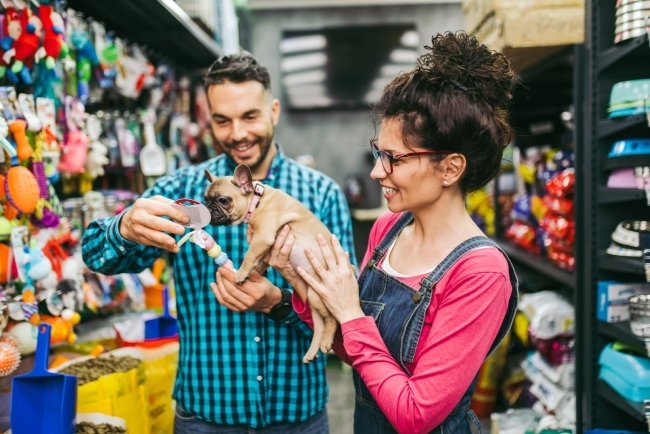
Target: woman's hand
{"x": 278, "y": 258}
{"x": 338, "y": 286}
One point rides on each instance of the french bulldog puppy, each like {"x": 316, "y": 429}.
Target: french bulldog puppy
{"x": 233, "y": 200}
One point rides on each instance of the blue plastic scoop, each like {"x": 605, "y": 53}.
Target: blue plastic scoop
{"x": 43, "y": 402}
{"x": 165, "y": 325}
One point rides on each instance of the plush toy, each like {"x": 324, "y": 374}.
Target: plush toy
{"x": 62, "y": 327}
{"x": 54, "y": 45}
{"x": 25, "y": 47}
{"x": 12, "y": 30}
{"x": 98, "y": 154}
{"x": 75, "y": 148}
{"x": 86, "y": 60}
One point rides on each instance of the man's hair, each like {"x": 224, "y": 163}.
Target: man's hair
{"x": 237, "y": 68}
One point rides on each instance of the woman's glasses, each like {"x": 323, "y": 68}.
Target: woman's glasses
{"x": 388, "y": 159}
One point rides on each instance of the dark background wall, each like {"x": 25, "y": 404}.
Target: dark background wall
{"x": 338, "y": 139}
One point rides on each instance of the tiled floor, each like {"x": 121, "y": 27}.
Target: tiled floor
{"x": 341, "y": 402}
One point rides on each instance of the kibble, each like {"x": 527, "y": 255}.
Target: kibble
{"x": 102, "y": 428}
{"x": 91, "y": 369}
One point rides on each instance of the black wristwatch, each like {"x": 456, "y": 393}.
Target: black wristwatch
{"x": 281, "y": 310}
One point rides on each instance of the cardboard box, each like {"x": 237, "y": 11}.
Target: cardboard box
{"x": 613, "y": 298}
{"x": 477, "y": 11}
{"x": 539, "y": 27}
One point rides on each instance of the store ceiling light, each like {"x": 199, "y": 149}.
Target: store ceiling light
{"x": 307, "y": 90}
{"x": 315, "y": 76}
{"x": 391, "y": 70}
{"x": 410, "y": 39}
{"x": 303, "y": 43}
{"x": 402, "y": 55}
{"x": 303, "y": 61}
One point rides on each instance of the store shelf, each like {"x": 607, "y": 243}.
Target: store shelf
{"x": 620, "y": 264}
{"x": 158, "y": 24}
{"x": 538, "y": 263}
{"x": 634, "y": 409}
{"x": 619, "y": 195}
{"x": 608, "y": 127}
{"x": 618, "y": 52}
{"x": 627, "y": 161}
{"x": 620, "y": 331}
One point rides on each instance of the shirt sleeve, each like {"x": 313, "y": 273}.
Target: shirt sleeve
{"x": 465, "y": 324}
{"x": 338, "y": 220}
{"x": 105, "y": 251}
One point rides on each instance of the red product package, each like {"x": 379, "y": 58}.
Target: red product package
{"x": 559, "y": 205}
{"x": 523, "y": 235}
{"x": 559, "y": 227}
{"x": 562, "y": 185}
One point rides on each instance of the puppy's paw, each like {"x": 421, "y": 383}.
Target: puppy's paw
{"x": 241, "y": 277}
{"x": 325, "y": 347}
{"x": 309, "y": 357}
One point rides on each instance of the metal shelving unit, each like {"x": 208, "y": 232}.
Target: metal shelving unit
{"x": 158, "y": 24}
{"x": 600, "y": 209}
{"x": 539, "y": 264}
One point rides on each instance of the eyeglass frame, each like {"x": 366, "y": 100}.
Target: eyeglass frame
{"x": 392, "y": 158}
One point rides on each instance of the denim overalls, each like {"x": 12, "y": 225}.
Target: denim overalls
{"x": 399, "y": 313}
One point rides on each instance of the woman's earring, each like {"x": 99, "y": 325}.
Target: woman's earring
{"x": 444, "y": 182}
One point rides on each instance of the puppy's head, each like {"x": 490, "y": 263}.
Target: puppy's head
{"x": 228, "y": 197}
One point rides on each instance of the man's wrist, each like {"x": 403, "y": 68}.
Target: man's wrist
{"x": 282, "y": 307}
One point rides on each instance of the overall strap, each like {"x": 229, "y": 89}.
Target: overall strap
{"x": 379, "y": 251}
{"x": 453, "y": 257}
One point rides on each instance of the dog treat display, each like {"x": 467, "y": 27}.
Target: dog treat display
{"x": 102, "y": 428}
{"x": 91, "y": 369}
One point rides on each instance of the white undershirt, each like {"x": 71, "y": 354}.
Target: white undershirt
{"x": 385, "y": 265}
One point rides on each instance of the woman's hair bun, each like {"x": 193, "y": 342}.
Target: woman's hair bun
{"x": 458, "y": 60}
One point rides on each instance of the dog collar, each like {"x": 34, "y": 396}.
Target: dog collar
{"x": 257, "y": 195}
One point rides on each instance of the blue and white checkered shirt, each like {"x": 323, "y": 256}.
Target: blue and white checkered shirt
{"x": 233, "y": 368}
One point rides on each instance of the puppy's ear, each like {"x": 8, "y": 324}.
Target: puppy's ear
{"x": 210, "y": 176}
{"x": 243, "y": 179}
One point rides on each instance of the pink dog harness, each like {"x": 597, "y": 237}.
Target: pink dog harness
{"x": 257, "y": 195}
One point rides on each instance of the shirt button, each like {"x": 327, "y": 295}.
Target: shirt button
{"x": 101, "y": 260}
{"x": 257, "y": 339}
{"x": 121, "y": 248}
{"x": 260, "y": 378}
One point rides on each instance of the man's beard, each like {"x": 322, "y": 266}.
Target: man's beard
{"x": 264, "y": 143}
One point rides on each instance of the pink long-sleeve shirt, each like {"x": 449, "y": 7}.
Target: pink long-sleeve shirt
{"x": 467, "y": 308}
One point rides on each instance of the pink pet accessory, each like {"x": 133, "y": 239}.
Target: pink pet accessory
{"x": 75, "y": 148}
{"x": 199, "y": 217}
{"x": 198, "y": 214}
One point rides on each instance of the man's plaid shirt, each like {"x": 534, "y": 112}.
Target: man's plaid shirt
{"x": 233, "y": 368}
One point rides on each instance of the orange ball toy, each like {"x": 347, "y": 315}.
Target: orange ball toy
{"x": 22, "y": 189}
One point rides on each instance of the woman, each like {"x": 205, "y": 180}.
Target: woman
{"x": 435, "y": 295}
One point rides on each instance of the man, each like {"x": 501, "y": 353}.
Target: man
{"x": 240, "y": 353}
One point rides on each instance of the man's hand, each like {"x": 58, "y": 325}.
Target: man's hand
{"x": 144, "y": 224}
{"x": 255, "y": 294}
